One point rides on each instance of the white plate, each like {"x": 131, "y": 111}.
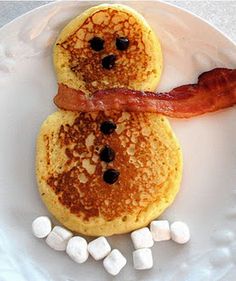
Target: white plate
{"x": 207, "y": 198}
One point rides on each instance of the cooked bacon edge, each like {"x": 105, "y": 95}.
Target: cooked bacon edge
{"x": 215, "y": 89}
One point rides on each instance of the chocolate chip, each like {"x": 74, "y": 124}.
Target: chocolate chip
{"x": 108, "y": 62}
{"x": 111, "y": 176}
{"x": 107, "y": 154}
{"x": 122, "y": 43}
{"x": 97, "y": 43}
{"x": 107, "y": 127}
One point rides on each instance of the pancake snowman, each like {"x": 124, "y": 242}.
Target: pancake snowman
{"x": 104, "y": 173}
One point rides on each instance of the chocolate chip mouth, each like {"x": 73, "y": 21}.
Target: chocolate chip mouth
{"x": 108, "y": 62}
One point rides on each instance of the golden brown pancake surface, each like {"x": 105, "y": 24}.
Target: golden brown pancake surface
{"x": 70, "y": 172}
{"x": 80, "y": 67}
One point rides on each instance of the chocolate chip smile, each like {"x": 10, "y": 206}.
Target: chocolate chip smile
{"x": 108, "y": 62}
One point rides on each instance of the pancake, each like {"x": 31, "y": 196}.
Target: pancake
{"x": 70, "y": 172}
{"x": 80, "y": 67}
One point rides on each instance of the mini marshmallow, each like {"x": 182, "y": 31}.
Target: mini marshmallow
{"x": 142, "y": 238}
{"x": 99, "y": 248}
{"x": 41, "y": 227}
{"x": 180, "y": 232}
{"x": 142, "y": 259}
{"x": 114, "y": 262}
{"x": 160, "y": 230}
{"x": 58, "y": 238}
{"x": 77, "y": 249}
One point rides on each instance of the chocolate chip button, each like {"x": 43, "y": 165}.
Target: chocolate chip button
{"x": 107, "y": 154}
{"x": 110, "y": 176}
{"x": 107, "y": 127}
{"x": 122, "y": 43}
{"x": 108, "y": 62}
{"x": 97, "y": 43}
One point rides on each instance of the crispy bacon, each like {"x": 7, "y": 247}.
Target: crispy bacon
{"x": 215, "y": 89}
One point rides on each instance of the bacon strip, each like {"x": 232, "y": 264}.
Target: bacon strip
{"x": 215, "y": 89}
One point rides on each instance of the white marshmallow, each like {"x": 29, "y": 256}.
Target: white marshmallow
{"x": 41, "y": 227}
{"x": 99, "y": 248}
{"x": 142, "y": 238}
{"x": 58, "y": 238}
{"x": 114, "y": 262}
{"x": 180, "y": 232}
{"x": 160, "y": 230}
{"x": 142, "y": 259}
{"x": 77, "y": 249}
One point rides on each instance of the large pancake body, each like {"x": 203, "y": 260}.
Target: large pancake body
{"x": 79, "y": 67}
{"x": 69, "y": 171}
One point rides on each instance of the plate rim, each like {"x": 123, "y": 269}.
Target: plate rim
{"x": 162, "y": 2}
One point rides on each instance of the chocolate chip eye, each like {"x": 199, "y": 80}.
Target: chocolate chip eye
{"x": 108, "y": 62}
{"x": 122, "y": 43}
{"x": 97, "y": 43}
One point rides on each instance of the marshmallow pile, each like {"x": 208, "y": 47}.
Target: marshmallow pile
{"x": 77, "y": 248}
{"x": 160, "y": 230}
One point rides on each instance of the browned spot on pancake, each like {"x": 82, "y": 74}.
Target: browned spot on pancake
{"x": 80, "y": 186}
{"x": 46, "y": 140}
{"x": 86, "y": 63}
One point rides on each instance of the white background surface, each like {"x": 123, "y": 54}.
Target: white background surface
{"x": 220, "y": 13}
